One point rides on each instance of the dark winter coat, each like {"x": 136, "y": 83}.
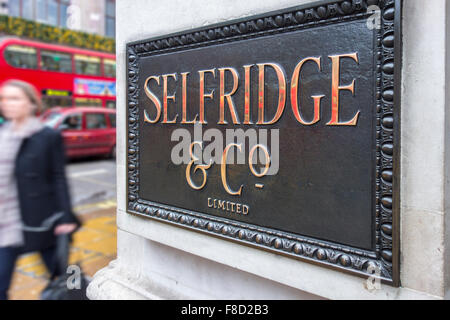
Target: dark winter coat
{"x": 42, "y": 188}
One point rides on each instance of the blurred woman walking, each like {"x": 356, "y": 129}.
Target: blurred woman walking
{"x": 34, "y": 197}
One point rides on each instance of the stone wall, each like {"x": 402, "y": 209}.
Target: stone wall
{"x": 157, "y": 260}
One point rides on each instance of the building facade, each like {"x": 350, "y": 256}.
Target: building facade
{"x": 158, "y": 259}
{"x": 96, "y": 17}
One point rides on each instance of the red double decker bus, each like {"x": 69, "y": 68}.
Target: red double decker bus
{"x": 65, "y": 76}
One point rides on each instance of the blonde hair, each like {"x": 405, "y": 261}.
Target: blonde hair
{"x": 29, "y": 90}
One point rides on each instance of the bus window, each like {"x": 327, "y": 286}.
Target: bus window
{"x": 112, "y": 120}
{"x": 54, "y": 101}
{"x": 111, "y": 104}
{"x": 21, "y": 56}
{"x": 86, "y": 102}
{"x": 87, "y": 65}
{"x": 56, "y": 61}
{"x": 109, "y": 67}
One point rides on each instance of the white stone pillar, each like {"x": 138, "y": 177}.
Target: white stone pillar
{"x": 160, "y": 261}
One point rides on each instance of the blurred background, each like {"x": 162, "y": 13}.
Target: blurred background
{"x": 66, "y": 49}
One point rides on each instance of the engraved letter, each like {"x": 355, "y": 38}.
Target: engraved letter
{"x": 203, "y": 95}
{"x": 203, "y": 168}
{"x": 154, "y": 99}
{"x": 336, "y": 88}
{"x": 184, "y": 99}
{"x": 221, "y": 204}
{"x": 294, "y": 93}
{"x": 281, "y": 92}
{"x": 266, "y": 163}
{"x": 224, "y": 170}
{"x": 227, "y": 96}
{"x": 247, "y": 119}
{"x": 166, "y": 97}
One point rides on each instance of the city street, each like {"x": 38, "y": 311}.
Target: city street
{"x": 91, "y": 181}
{"x": 93, "y": 189}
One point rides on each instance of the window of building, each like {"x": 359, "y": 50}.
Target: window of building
{"x": 41, "y": 11}
{"x": 109, "y": 67}
{"x": 95, "y": 121}
{"x": 87, "y": 65}
{"x": 56, "y": 61}
{"x": 21, "y": 56}
{"x": 87, "y": 102}
{"x": 52, "y": 12}
{"x": 63, "y": 6}
{"x": 112, "y": 120}
{"x": 111, "y": 104}
{"x": 110, "y": 18}
{"x": 28, "y": 9}
{"x": 14, "y": 8}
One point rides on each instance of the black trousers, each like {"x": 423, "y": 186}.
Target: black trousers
{"x": 8, "y": 258}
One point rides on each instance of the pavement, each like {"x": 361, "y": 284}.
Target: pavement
{"x": 94, "y": 246}
{"x": 91, "y": 180}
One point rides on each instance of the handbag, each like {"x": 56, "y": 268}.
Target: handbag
{"x": 66, "y": 286}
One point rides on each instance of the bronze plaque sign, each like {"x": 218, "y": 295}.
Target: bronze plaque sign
{"x": 278, "y": 131}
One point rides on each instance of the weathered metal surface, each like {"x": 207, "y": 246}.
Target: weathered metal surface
{"x": 320, "y": 81}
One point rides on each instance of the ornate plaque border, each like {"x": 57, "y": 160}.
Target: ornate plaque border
{"x": 385, "y": 259}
